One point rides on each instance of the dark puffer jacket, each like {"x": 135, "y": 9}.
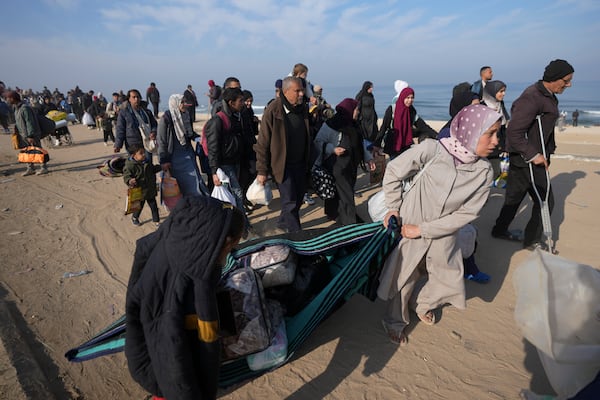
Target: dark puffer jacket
{"x": 172, "y": 344}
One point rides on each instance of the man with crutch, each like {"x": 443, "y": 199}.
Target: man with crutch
{"x": 530, "y": 142}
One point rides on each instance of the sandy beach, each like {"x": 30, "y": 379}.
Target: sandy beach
{"x": 72, "y": 220}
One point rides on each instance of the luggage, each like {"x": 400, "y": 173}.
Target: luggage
{"x": 170, "y": 193}
{"x": 56, "y": 115}
{"x": 276, "y": 265}
{"x": 33, "y": 154}
{"x": 243, "y": 317}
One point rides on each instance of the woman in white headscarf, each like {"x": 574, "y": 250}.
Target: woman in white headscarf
{"x": 448, "y": 194}
{"x": 175, "y": 152}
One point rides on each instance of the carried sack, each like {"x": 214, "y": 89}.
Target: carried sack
{"x": 558, "y": 309}
{"x": 323, "y": 183}
{"x": 56, "y": 115}
{"x": 222, "y": 192}
{"x": 376, "y": 176}
{"x": 149, "y": 144}
{"x": 47, "y": 126}
{"x": 87, "y": 119}
{"x": 33, "y": 154}
{"x": 259, "y": 194}
{"x": 134, "y": 199}
{"x": 169, "y": 191}
{"x": 376, "y": 204}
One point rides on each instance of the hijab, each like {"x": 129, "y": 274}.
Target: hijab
{"x": 402, "y": 122}
{"x": 364, "y": 90}
{"x": 489, "y": 98}
{"x": 174, "y": 103}
{"x": 344, "y": 113}
{"x": 467, "y": 127}
{"x": 461, "y": 97}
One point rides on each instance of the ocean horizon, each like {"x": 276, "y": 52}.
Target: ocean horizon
{"x": 432, "y": 100}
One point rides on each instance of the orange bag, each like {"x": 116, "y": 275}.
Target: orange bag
{"x": 169, "y": 191}
{"x": 33, "y": 154}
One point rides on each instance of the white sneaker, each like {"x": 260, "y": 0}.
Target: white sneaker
{"x": 42, "y": 171}
{"x": 308, "y": 200}
{"x": 105, "y": 144}
{"x": 28, "y": 171}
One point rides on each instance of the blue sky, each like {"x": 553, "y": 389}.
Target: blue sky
{"x": 108, "y": 45}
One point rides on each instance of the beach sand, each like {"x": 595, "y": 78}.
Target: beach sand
{"x": 72, "y": 220}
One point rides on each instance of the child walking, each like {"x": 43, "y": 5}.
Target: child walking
{"x": 107, "y": 128}
{"x": 139, "y": 171}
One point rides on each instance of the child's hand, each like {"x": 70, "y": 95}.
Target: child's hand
{"x": 132, "y": 182}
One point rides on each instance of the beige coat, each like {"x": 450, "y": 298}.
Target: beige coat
{"x": 444, "y": 199}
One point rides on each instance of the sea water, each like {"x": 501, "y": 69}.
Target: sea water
{"x": 432, "y": 100}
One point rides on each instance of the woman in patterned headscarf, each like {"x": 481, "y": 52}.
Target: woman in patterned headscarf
{"x": 175, "y": 152}
{"x": 448, "y": 194}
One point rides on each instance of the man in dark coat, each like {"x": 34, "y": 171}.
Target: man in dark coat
{"x": 524, "y": 143}
{"x": 172, "y": 340}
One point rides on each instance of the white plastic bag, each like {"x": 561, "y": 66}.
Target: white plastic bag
{"x": 87, "y": 119}
{"x": 259, "y": 194}
{"x": 558, "y": 310}
{"x": 377, "y": 208}
{"x": 222, "y": 192}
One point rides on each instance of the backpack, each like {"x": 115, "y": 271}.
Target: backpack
{"x": 226, "y": 126}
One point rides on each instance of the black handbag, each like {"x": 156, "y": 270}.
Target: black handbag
{"x": 323, "y": 183}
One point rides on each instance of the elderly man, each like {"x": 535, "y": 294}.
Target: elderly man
{"x": 523, "y": 142}
{"x": 26, "y": 124}
{"x": 132, "y": 119}
{"x": 283, "y": 148}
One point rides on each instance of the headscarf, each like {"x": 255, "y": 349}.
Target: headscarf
{"x": 466, "y": 129}
{"x": 211, "y": 83}
{"x": 402, "y": 122}
{"x": 489, "y": 98}
{"x": 364, "y": 90}
{"x": 174, "y": 102}
{"x": 345, "y": 110}
{"x": 461, "y": 97}
{"x": 399, "y": 86}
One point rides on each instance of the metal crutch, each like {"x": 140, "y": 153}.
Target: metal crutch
{"x": 545, "y": 211}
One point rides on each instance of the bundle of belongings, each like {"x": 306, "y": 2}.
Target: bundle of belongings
{"x": 113, "y": 167}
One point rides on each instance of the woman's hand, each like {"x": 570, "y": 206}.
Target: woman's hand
{"x": 388, "y": 215}
{"x": 410, "y": 231}
{"x": 216, "y": 180}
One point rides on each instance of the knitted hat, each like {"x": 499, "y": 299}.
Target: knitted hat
{"x": 211, "y": 83}
{"x": 278, "y": 83}
{"x": 557, "y": 69}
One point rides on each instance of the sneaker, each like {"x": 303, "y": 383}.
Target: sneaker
{"x": 42, "y": 171}
{"x": 157, "y": 224}
{"x": 28, "y": 171}
{"x": 308, "y": 200}
{"x": 105, "y": 144}
{"x": 135, "y": 221}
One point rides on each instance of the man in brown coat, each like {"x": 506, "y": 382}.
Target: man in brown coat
{"x": 283, "y": 148}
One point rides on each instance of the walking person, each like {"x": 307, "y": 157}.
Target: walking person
{"x": 525, "y": 147}
{"x": 283, "y": 150}
{"x": 140, "y": 172}
{"x": 367, "y": 117}
{"x": 26, "y": 125}
{"x": 153, "y": 97}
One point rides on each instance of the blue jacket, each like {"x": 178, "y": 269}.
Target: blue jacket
{"x": 128, "y": 131}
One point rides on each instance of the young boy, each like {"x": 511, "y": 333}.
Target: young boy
{"x": 139, "y": 171}
{"x": 107, "y": 127}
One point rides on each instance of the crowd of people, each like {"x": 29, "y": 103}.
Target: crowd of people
{"x": 299, "y": 132}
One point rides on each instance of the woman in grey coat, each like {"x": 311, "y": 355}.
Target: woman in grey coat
{"x": 448, "y": 195}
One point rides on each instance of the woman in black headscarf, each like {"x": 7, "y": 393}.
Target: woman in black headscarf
{"x": 367, "y": 118}
{"x": 339, "y": 143}
{"x": 172, "y": 342}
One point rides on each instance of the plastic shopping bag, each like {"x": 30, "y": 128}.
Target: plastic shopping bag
{"x": 222, "y": 191}
{"x": 558, "y": 311}
{"x": 259, "y": 194}
{"x": 169, "y": 191}
{"x": 377, "y": 207}
{"x": 133, "y": 203}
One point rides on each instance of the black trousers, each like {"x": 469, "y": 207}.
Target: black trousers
{"x": 342, "y": 208}
{"x": 153, "y": 207}
{"x": 518, "y": 184}
{"x": 155, "y": 107}
{"x": 291, "y": 194}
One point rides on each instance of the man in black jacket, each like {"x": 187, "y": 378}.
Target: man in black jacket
{"x": 523, "y": 142}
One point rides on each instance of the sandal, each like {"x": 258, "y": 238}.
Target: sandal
{"x": 513, "y": 235}
{"x": 395, "y": 338}
{"x": 480, "y": 277}
{"x": 428, "y": 318}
